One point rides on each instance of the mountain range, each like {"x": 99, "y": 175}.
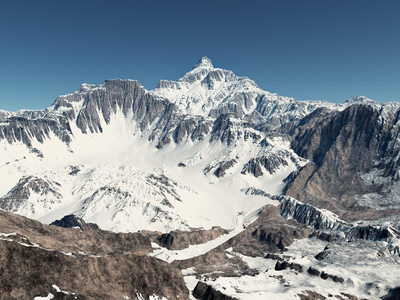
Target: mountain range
{"x": 250, "y": 194}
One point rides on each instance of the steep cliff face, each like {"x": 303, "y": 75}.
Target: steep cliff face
{"x": 354, "y": 156}
{"x": 23, "y": 129}
{"x": 92, "y": 107}
{"x": 309, "y": 215}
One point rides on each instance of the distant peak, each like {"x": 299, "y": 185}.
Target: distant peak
{"x": 204, "y": 62}
{"x": 359, "y": 99}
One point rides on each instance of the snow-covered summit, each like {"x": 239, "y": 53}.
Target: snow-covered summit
{"x": 210, "y": 91}
{"x": 359, "y": 99}
{"x": 204, "y": 62}
{"x": 206, "y": 88}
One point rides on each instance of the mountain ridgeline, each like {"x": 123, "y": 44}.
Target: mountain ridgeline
{"x": 213, "y": 175}
{"x": 336, "y": 147}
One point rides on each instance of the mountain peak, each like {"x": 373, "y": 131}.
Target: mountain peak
{"x": 204, "y": 62}
{"x": 359, "y": 99}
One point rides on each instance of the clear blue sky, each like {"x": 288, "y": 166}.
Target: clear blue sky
{"x": 308, "y": 49}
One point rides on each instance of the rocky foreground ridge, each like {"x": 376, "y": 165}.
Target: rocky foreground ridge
{"x": 93, "y": 264}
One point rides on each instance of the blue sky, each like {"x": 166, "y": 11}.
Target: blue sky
{"x": 308, "y": 49}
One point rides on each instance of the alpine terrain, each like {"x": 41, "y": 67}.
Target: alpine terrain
{"x": 206, "y": 187}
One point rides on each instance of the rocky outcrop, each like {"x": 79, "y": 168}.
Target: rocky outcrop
{"x": 270, "y": 163}
{"x": 228, "y": 129}
{"x": 20, "y": 129}
{"x": 203, "y": 291}
{"x": 387, "y": 234}
{"x": 215, "y": 263}
{"x": 308, "y": 214}
{"x": 323, "y": 275}
{"x": 255, "y": 192}
{"x": 283, "y": 265}
{"x": 394, "y": 294}
{"x": 93, "y": 242}
{"x": 372, "y": 233}
{"x": 272, "y": 157}
{"x": 220, "y": 168}
{"x": 72, "y": 221}
{"x": 269, "y": 233}
{"x": 323, "y": 254}
{"x": 177, "y": 240}
{"x": 310, "y": 295}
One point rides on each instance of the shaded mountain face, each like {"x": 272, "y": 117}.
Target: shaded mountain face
{"x": 355, "y": 161}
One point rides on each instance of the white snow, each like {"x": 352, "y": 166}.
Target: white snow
{"x": 365, "y": 273}
{"x": 48, "y": 297}
{"x": 192, "y": 250}
{"x": 113, "y": 189}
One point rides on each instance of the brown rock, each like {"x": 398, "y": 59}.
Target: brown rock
{"x": 203, "y": 291}
{"x": 28, "y": 271}
{"x": 96, "y": 242}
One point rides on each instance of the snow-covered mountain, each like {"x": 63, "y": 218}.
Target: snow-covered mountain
{"x": 165, "y": 168}
{"x": 213, "y": 149}
{"x": 171, "y": 158}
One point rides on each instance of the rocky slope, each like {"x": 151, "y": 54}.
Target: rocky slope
{"x": 32, "y": 272}
{"x": 92, "y": 242}
{"x": 39, "y": 260}
{"x": 355, "y": 160}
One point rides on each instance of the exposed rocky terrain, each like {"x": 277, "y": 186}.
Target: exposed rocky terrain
{"x": 204, "y": 291}
{"x": 178, "y": 240}
{"x": 255, "y": 195}
{"x": 74, "y": 240}
{"x": 92, "y": 264}
{"x": 355, "y": 161}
